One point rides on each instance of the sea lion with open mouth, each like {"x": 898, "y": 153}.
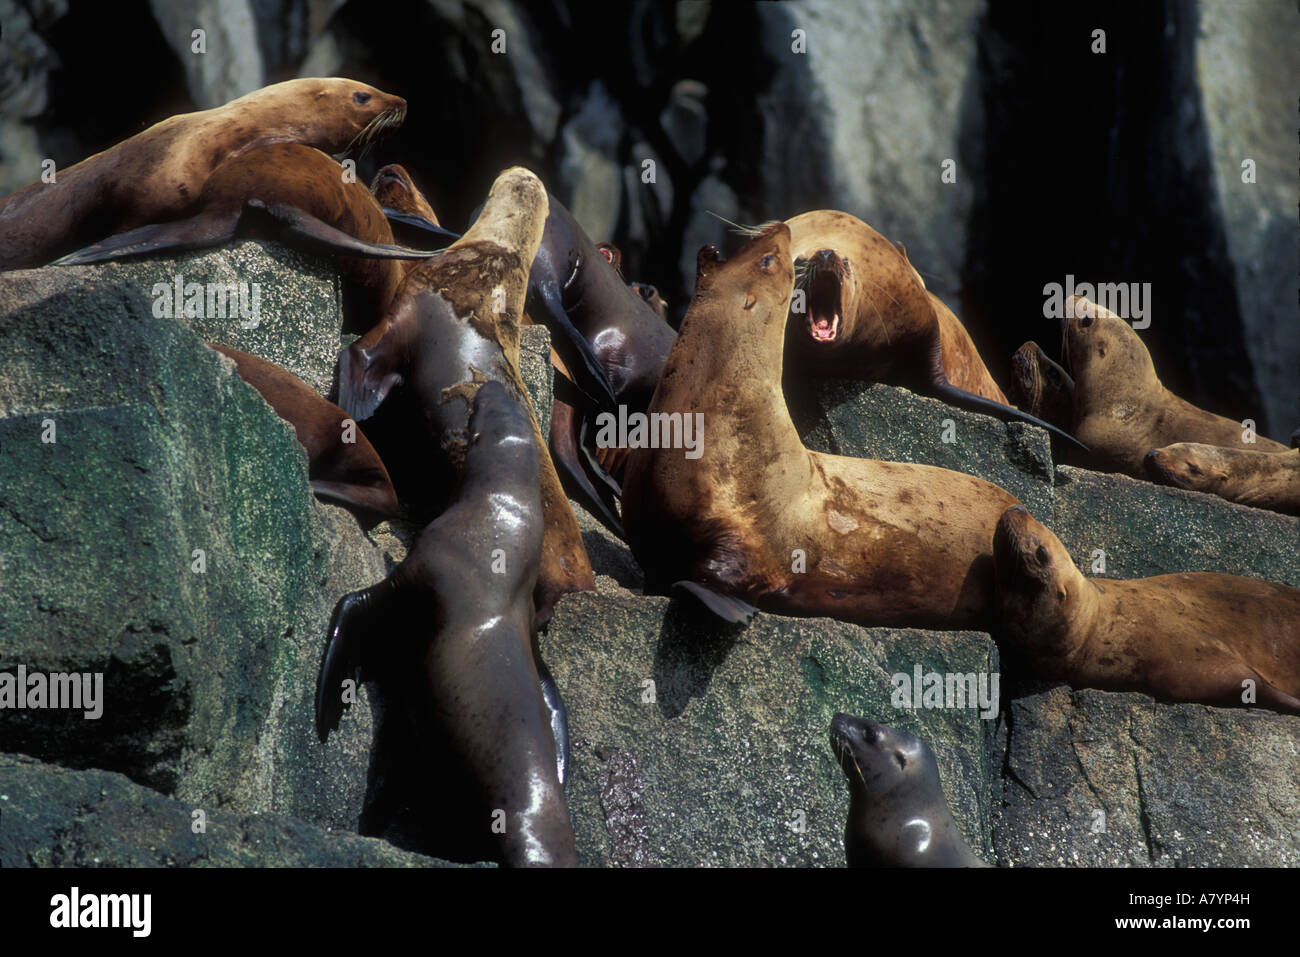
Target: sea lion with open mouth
{"x": 1197, "y": 636}
{"x": 157, "y": 175}
{"x": 756, "y": 519}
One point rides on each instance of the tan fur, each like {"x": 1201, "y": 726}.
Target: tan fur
{"x": 1121, "y": 410}
{"x": 1041, "y": 387}
{"x": 157, "y": 175}
{"x": 1261, "y": 479}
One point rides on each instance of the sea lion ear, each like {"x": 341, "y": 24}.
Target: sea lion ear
{"x": 706, "y": 260}
{"x": 613, "y": 255}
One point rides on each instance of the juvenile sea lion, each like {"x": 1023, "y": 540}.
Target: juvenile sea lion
{"x": 451, "y": 627}
{"x": 403, "y": 203}
{"x": 349, "y": 471}
{"x": 157, "y": 175}
{"x": 865, "y": 314}
{"x": 1121, "y": 410}
{"x": 756, "y": 519}
{"x": 1041, "y": 387}
{"x": 292, "y": 193}
{"x": 1197, "y": 636}
{"x": 898, "y": 815}
{"x": 455, "y": 323}
{"x": 1262, "y": 479}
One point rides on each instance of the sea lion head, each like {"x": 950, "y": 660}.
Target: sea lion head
{"x": 1040, "y": 386}
{"x": 394, "y": 188}
{"x": 1040, "y": 591}
{"x": 346, "y": 115}
{"x": 827, "y": 281}
{"x": 500, "y": 433}
{"x": 878, "y": 759}
{"x": 650, "y": 296}
{"x": 754, "y": 285}
{"x": 1188, "y": 465}
{"x": 1103, "y": 352}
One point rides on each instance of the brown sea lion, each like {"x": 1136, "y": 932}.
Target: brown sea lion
{"x": 755, "y": 518}
{"x": 341, "y": 462}
{"x": 898, "y": 815}
{"x": 451, "y": 628}
{"x": 1198, "y": 636}
{"x": 1121, "y": 410}
{"x": 1041, "y": 387}
{"x": 157, "y": 175}
{"x": 404, "y": 205}
{"x": 863, "y": 312}
{"x": 1261, "y": 479}
{"x": 295, "y": 194}
{"x": 455, "y": 323}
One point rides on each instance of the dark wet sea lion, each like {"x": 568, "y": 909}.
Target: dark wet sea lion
{"x": 898, "y": 815}
{"x": 157, "y": 175}
{"x": 1121, "y": 409}
{"x": 1268, "y": 480}
{"x": 1196, "y": 636}
{"x": 455, "y": 323}
{"x": 879, "y": 543}
{"x": 350, "y": 472}
{"x": 451, "y": 628}
{"x": 863, "y": 312}
{"x": 1041, "y": 387}
{"x": 291, "y": 193}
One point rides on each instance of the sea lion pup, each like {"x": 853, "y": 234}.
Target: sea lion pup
{"x": 455, "y": 323}
{"x": 1196, "y": 636}
{"x": 898, "y": 815}
{"x": 461, "y": 606}
{"x": 865, "y": 313}
{"x": 294, "y": 194}
{"x": 755, "y": 518}
{"x": 1041, "y": 387}
{"x": 156, "y": 176}
{"x": 403, "y": 203}
{"x": 1261, "y": 479}
{"x": 1121, "y": 410}
{"x": 341, "y": 462}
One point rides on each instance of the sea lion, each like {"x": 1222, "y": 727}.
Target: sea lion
{"x": 1196, "y": 636}
{"x": 404, "y": 204}
{"x": 898, "y": 815}
{"x": 1262, "y": 479}
{"x": 349, "y": 471}
{"x": 157, "y": 175}
{"x": 864, "y": 313}
{"x": 1121, "y": 410}
{"x": 455, "y": 323}
{"x": 755, "y": 518}
{"x": 451, "y": 628}
{"x": 648, "y": 293}
{"x": 1041, "y": 387}
{"x": 292, "y": 193}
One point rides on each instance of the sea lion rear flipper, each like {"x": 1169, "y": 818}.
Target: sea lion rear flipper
{"x": 302, "y": 229}
{"x": 198, "y": 232}
{"x": 589, "y": 375}
{"x": 977, "y": 403}
{"x": 419, "y": 222}
{"x": 361, "y": 388}
{"x": 356, "y": 617}
{"x": 378, "y": 497}
{"x": 559, "y": 717}
{"x": 729, "y": 609}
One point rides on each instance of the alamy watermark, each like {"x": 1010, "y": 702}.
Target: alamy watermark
{"x": 60, "y": 690}
{"x": 208, "y": 300}
{"x": 654, "y": 430}
{"x": 923, "y": 689}
{"x": 1131, "y": 300}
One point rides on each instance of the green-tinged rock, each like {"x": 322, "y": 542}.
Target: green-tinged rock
{"x": 54, "y": 817}
{"x": 697, "y": 745}
{"x": 1100, "y": 779}
{"x": 166, "y": 537}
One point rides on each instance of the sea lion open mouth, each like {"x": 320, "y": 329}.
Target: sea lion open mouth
{"x": 823, "y": 286}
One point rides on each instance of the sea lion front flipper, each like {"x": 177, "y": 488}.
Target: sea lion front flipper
{"x": 731, "y": 610}
{"x": 1271, "y": 696}
{"x": 568, "y": 457}
{"x": 559, "y": 716}
{"x": 197, "y": 232}
{"x": 589, "y": 375}
{"x": 362, "y": 388}
{"x": 419, "y": 222}
{"x": 357, "y": 616}
{"x": 977, "y": 403}
{"x": 302, "y": 229}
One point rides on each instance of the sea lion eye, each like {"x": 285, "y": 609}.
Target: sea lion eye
{"x": 1193, "y": 468}
{"x": 766, "y": 262}
{"x": 1041, "y": 554}
{"x": 361, "y": 98}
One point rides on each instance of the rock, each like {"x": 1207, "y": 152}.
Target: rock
{"x": 589, "y": 163}
{"x": 54, "y": 817}
{"x": 1144, "y": 529}
{"x": 711, "y": 199}
{"x": 1246, "y": 63}
{"x": 536, "y": 371}
{"x": 230, "y": 64}
{"x": 160, "y": 451}
{"x": 26, "y": 62}
{"x": 1097, "y": 779}
{"x": 732, "y": 750}
{"x": 686, "y": 119}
